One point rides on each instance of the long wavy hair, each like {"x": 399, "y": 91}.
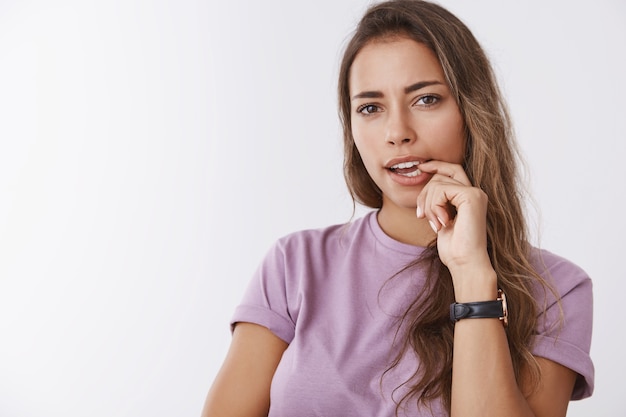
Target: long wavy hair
{"x": 491, "y": 162}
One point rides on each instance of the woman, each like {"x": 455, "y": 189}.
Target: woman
{"x": 404, "y": 311}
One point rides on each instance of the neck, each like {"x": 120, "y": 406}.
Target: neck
{"x": 403, "y": 225}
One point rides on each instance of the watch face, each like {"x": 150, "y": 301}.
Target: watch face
{"x": 505, "y": 310}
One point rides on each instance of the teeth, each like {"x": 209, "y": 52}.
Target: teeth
{"x": 403, "y": 165}
{"x": 412, "y": 174}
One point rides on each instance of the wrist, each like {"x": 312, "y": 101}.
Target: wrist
{"x": 475, "y": 284}
{"x": 481, "y": 310}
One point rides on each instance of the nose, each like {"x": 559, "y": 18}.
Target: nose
{"x": 399, "y": 130}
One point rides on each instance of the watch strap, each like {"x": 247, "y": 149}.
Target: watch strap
{"x": 496, "y": 309}
{"x": 476, "y": 310}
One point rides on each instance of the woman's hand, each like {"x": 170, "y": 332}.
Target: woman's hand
{"x": 457, "y": 211}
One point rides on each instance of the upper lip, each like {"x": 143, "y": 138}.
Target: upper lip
{"x": 408, "y": 158}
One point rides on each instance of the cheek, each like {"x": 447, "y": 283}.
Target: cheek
{"x": 456, "y": 146}
{"x": 453, "y": 140}
{"x": 362, "y": 152}
{"x": 357, "y": 133}
{"x": 461, "y": 142}
{"x": 365, "y": 150}
{"x": 361, "y": 139}
{"x": 366, "y": 134}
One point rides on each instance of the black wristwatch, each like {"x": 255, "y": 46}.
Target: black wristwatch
{"x": 481, "y": 310}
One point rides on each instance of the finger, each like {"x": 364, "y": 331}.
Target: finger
{"x": 443, "y": 173}
{"x": 425, "y": 203}
{"x": 446, "y": 169}
{"x": 437, "y": 203}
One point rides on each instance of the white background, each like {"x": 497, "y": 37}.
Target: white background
{"x": 151, "y": 151}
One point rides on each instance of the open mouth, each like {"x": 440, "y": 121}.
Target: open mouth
{"x": 407, "y": 169}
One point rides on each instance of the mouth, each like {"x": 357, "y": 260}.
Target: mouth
{"x": 406, "y": 169}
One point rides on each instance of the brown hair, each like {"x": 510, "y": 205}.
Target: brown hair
{"x": 491, "y": 160}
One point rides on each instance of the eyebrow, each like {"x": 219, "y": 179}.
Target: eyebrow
{"x": 407, "y": 90}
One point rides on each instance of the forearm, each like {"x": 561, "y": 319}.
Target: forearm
{"x": 483, "y": 380}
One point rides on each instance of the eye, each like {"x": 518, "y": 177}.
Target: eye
{"x": 368, "y": 109}
{"x": 428, "y": 100}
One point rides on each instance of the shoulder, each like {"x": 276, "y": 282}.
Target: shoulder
{"x": 327, "y": 238}
{"x": 561, "y": 273}
{"x": 565, "y": 320}
{"x": 302, "y": 252}
{"x": 566, "y": 304}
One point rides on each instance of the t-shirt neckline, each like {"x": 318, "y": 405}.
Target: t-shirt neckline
{"x": 388, "y": 241}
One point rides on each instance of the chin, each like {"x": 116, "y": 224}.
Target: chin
{"x": 402, "y": 203}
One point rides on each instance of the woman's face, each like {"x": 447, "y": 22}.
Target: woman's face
{"x": 402, "y": 114}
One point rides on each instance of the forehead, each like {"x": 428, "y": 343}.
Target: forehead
{"x": 389, "y": 62}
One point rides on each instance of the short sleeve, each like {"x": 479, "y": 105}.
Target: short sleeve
{"x": 568, "y": 341}
{"x": 265, "y": 300}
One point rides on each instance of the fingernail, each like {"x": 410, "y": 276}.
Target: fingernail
{"x": 433, "y": 226}
{"x": 419, "y": 212}
{"x": 441, "y": 221}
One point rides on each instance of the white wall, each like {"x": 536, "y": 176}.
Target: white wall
{"x": 151, "y": 151}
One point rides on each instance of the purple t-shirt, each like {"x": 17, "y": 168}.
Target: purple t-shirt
{"x": 327, "y": 293}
